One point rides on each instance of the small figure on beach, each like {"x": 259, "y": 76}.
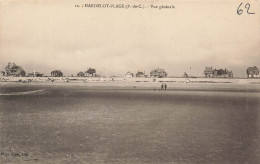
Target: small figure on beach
{"x": 165, "y": 86}
{"x": 162, "y": 86}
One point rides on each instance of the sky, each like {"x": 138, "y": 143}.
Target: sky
{"x": 45, "y": 36}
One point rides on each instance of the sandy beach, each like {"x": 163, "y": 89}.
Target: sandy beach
{"x": 129, "y": 122}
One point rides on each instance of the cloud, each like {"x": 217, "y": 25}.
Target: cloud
{"x": 45, "y": 36}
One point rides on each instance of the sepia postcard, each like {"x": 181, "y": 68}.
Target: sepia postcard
{"x": 130, "y": 81}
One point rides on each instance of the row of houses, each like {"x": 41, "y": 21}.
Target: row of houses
{"x": 210, "y": 72}
{"x": 91, "y": 72}
{"x": 155, "y": 73}
{"x": 138, "y": 74}
{"x": 252, "y": 72}
{"x": 15, "y": 70}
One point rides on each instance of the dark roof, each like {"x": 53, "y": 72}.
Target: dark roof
{"x": 208, "y": 70}
{"x": 140, "y": 73}
{"x": 252, "y": 68}
{"x": 56, "y": 71}
{"x": 129, "y": 73}
{"x": 159, "y": 70}
{"x": 36, "y": 73}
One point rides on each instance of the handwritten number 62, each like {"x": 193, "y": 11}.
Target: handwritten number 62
{"x": 240, "y": 11}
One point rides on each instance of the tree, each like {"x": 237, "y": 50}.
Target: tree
{"x": 91, "y": 71}
{"x": 80, "y": 74}
{"x": 14, "y": 70}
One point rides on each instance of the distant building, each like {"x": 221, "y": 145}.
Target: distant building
{"x": 56, "y": 73}
{"x": 140, "y": 74}
{"x": 222, "y": 73}
{"x": 35, "y": 74}
{"x": 209, "y": 72}
{"x": 129, "y": 75}
{"x": 252, "y": 72}
{"x": 160, "y": 73}
{"x": 14, "y": 70}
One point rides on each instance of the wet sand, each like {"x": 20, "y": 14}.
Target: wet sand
{"x": 103, "y": 124}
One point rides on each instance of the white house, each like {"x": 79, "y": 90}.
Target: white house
{"x": 129, "y": 75}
